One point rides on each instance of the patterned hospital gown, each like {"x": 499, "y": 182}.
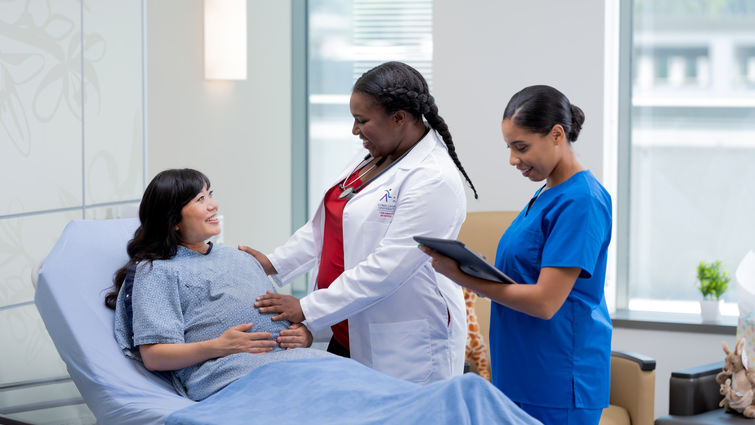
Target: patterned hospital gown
{"x": 196, "y": 297}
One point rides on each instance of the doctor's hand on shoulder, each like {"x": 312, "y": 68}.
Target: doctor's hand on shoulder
{"x": 262, "y": 258}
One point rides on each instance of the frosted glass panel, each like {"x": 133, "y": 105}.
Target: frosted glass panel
{"x": 65, "y": 390}
{"x": 113, "y": 105}
{"x": 114, "y": 211}
{"x": 28, "y": 351}
{"x": 24, "y": 242}
{"x": 67, "y": 415}
{"x": 71, "y": 125}
{"x": 29, "y": 354}
{"x": 40, "y": 105}
{"x": 74, "y": 412}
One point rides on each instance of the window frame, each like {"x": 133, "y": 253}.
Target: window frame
{"x": 624, "y": 91}
{"x": 624, "y": 150}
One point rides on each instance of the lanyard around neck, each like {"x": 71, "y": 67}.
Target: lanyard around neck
{"x": 534, "y": 198}
{"x": 349, "y": 192}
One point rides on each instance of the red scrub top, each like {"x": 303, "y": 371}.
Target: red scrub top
{"x": 331, "y": 259}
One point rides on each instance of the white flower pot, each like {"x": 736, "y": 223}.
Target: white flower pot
{"x": 709, "y": 310}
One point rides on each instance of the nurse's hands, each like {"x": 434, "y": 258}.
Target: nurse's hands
{"x": 262, "y": 258}
{"x": 444, "y": 265}
{"x": 287, "y": 306}
{"x": 296, "y": 336}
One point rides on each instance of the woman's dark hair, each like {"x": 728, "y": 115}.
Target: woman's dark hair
{"x": 539, "y": 108}
{"x": 397, "y": 86}
{"x": 159, "y": 214}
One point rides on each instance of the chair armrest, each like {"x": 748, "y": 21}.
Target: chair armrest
{"x": 645, "y": 362}
{"x": 633, "y": 385}
{"x": 694, "y": 390}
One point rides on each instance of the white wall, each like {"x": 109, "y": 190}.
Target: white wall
{"x": 236, "y": 132}
{"x": 485, "y": 51}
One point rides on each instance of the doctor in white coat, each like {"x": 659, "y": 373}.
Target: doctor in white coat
{"x": 404, "y": 319}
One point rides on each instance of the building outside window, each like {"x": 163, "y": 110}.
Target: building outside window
{"x": 692, "y": 149}
{"x": 347, "y": 38}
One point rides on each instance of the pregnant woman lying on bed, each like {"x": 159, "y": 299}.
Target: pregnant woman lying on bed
{"x": 184, "y": 305}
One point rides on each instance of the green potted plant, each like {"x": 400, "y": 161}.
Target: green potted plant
{"x": 713, "y": 281}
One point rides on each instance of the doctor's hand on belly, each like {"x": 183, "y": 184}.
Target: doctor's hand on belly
{"x": 296, "y": 336}
{"x": 262, "y": 258}
{"x": 287, "y": 306}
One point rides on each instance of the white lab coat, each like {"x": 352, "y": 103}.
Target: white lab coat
{"x": 397, "y": 305}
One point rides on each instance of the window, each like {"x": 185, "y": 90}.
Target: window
{"x": 347, "y": 38}
{"x": 692, "y": 149}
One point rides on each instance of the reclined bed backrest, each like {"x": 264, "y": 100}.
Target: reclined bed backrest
{"x": 70, "y": 295}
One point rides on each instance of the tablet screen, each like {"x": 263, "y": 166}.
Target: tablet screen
{"x": 469, "y": 261}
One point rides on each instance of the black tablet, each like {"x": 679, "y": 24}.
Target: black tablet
{"x": 469, "y": 261}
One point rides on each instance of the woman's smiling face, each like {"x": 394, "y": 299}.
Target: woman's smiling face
{"x": 534, "y": 155}
{"x": 199, "y": 220}
{"x": 377, "y": 129}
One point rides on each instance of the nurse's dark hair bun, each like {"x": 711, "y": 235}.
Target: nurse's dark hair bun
{"x": 577, "y": 119}
{"x": 539, "y": 108}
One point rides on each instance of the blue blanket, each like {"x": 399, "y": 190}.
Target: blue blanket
{"x": 341, "y": 391}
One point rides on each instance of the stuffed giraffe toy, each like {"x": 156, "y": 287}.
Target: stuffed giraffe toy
{"x": 476, "y": 352}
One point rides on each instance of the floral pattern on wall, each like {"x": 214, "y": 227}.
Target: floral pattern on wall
{"x": 71, "y": 136}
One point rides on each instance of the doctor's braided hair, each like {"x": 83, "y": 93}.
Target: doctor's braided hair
{"x": 397, "y": 86}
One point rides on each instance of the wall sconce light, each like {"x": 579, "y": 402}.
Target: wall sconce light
{"x": 225, "y": 39}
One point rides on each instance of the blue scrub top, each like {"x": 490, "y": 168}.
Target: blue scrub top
{"x": 563, "y": 362}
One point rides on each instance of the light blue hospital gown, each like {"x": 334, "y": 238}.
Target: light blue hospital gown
{"x": 196, "y": 297}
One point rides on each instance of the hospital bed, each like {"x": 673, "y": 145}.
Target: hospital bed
{"x": 71, "y": 287}
{"x": 70, "y": 298}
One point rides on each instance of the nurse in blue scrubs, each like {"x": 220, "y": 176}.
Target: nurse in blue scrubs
{"x": 550, "y": 333}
